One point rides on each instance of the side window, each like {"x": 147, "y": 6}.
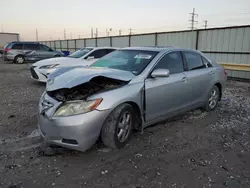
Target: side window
{"x": 99, "y": 53}
{"x": 44, "y": 48}
{"x": 194, "y": 61}
{"x": 110, "y": 50}
{"x": 31, "y": 47}
{"x": 206, "y": 62}
{"x": 172, "y": 62}
{"x": 17, "y": 46}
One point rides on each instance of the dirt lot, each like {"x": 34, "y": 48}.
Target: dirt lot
{"x": 197, "y": 149}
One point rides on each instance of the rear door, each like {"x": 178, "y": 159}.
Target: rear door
{"x": 200, "y": 78}
{"x": 166, "y": 95}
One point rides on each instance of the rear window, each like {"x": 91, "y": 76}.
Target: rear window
{"x": 194, "y": 61}
{"x": 17, "y": 47}
{"x": 8, "y": 45}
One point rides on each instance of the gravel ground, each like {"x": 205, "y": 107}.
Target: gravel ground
{"x": 196, "y": 149}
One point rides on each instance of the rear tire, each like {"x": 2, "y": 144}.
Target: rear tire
{"x": 118, "y": 126}
{"x": 57, "y": 56}
{"x": 19, "y": 59}
{"x": 212, "y": 99}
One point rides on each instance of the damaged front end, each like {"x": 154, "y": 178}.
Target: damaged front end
{"x": 73, "y": 89}
{"x": 83, "y": 91}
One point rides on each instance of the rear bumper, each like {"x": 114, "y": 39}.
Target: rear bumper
{"x": 8, "y": 57}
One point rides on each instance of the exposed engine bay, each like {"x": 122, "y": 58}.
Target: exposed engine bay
{"x": 83, "y": 91}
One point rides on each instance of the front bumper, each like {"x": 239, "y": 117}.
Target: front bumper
{"x": 40, "y": 75}
{"x": 78, "y": 132}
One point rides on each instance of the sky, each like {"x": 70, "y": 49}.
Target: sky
{"x": 77, "y": 17}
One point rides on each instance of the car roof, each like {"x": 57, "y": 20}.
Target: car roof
{"x": 159, "y": 48}
{"x": 22, "y": 42}
{"x": 104, "y": 47}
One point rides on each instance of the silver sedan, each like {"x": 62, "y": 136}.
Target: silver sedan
{"x": 128, "y": 89}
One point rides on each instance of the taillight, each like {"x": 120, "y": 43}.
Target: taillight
{"x": 6, "y": 50}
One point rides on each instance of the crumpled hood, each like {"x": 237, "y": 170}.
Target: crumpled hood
{"x": 79, "y": 75}
{"x": 56, "y": 60}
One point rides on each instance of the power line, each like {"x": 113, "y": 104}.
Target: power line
{"x": 193, "y": 21}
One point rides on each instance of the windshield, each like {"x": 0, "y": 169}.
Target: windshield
{"x": 80, "y": 53}
{"x": 134, "y": 61}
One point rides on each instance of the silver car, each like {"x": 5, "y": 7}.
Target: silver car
{"x": 19, "y": 52}
{"x": 128, "y": 89}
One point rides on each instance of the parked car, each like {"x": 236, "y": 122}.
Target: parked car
{"x": 128, "y": 89}
{"x": 19, "y": 52}
{"x": 83, "y": 57}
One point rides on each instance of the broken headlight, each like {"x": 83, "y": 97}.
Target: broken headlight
{"x": 49, "y": 66}
{"x": 77, "y": 107}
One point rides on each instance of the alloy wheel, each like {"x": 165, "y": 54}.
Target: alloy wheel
{"x": 124, "y": 126}
{"x": 213, "y": 98}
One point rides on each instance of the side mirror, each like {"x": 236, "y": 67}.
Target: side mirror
{"x": 51, "y": 50}
{"x": 90, "y": 57}
{"x": 160, "y": 73}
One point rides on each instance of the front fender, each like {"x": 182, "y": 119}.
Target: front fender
{"x": 115, "y": 97}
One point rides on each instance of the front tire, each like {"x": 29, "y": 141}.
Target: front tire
{"x": 19, "y": 59}
{"x": 118, "y": 126}
{"x": 212, "y": 99}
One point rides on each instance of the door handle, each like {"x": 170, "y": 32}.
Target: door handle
{"x": 211, "y": 73}
{"x": 184, "y": 79}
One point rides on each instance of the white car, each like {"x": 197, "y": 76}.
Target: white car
{"x": 83, "y": 57}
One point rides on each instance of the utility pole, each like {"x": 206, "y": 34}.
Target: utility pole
{"x": 130, "y": 31}
{"x": 107, "y": 31}
{"x": 92, "y": 33}
{"x": 79, "y": 36}
{"x": 193, "y": 21}
{"x": 64, "y": 34}
{"x": 205, "y": 24}
{"x": 36, "y": 35}
{"x": 96, "y": 32}
{"x": 120, "y": 32}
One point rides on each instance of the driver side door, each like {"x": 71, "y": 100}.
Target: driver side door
{"x": 45, "y": 52}
{"x": 166, "y": 95}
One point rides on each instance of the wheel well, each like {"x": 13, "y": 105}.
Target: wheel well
{"x": 19, "y": 55}
{"x": 57, "y": 55}
{"x": 220, "y": 89}
{"x": 138, "y": 113}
